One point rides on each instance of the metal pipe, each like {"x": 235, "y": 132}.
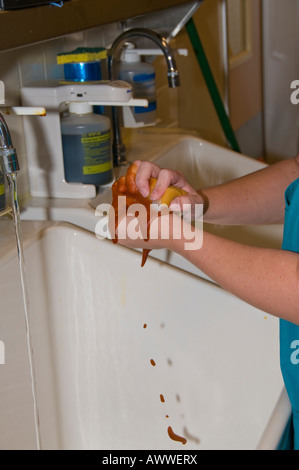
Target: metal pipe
{"x": 159, "y": 40}
{"x": 172, "y": 75}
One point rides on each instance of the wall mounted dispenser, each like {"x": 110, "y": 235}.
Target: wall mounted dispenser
{"x": 43, "y": 136}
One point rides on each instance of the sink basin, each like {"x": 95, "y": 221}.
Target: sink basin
{"x": 216, "y": 358}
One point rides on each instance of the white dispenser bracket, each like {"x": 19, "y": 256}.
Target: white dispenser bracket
{"x": 43, "y": 136}
{"x": 155, "y": 52}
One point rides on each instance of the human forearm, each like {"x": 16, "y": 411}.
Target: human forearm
{"x": 265, "y": 278}
{"x": 257, "y": 198}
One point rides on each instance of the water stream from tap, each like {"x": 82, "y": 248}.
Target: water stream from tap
{"x": 12, "y": 186}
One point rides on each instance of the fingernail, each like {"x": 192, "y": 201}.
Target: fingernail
{"x": 144, "y": 192}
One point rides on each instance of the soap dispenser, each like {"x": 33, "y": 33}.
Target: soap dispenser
{"x": 142, "y": 77}
{"x": 86, "y": 143}
{"x": 2, "y": 193}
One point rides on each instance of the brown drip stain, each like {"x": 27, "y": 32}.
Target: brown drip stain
{"x": 176, "y": 437}
{"x": 152, "y": 362}
{"x": 162, "y": 398}
{"x": 145, "y": 325}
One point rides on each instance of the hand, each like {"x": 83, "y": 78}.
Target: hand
{"x": 134, "y": 231}
{"x": 165, "y": 178}
{"x": 166, "y": 231}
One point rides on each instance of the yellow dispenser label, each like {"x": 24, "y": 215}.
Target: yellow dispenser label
{"x": 2, "y": 189}
{"x": 97, "y": 137}
{"x": 93, "y": 169}
{"x": 97, "y": 152}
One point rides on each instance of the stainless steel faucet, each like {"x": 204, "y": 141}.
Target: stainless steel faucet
{"x": 8, "y": 154}
{"x": 118, "y": 148}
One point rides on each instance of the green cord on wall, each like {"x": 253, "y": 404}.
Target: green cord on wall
{"x": 211, "y": 84}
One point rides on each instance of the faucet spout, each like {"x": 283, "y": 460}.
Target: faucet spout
{"x": 159, "y": 40}
{"x": 172, "y": 74}
{"x": 8, "y": 154}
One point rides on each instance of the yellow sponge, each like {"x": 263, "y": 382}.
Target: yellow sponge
{"x": 171, "y": 193}
{"x": 82, "y": 54}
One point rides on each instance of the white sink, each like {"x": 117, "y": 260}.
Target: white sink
{"x": 216, "y": 357}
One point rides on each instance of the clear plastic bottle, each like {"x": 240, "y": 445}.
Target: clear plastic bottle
{"x": 86, "y": 142}
{"x": 2, "y": 192}
{"x": 142, "y": 77}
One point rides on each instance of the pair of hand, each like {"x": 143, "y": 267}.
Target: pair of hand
{"x": 165, "y": 230}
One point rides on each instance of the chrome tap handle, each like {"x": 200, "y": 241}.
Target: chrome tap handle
{"x": 8, "y": 154}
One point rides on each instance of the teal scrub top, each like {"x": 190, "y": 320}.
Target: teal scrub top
{"x": 289, "y": 333}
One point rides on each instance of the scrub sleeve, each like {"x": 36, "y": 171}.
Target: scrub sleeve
{"x": 289, "y": 333}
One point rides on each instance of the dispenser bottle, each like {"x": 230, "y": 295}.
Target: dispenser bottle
{"x": 142, "y": 77}
{"x": 86, "y": 143}
{"x": 2, "y": 193}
